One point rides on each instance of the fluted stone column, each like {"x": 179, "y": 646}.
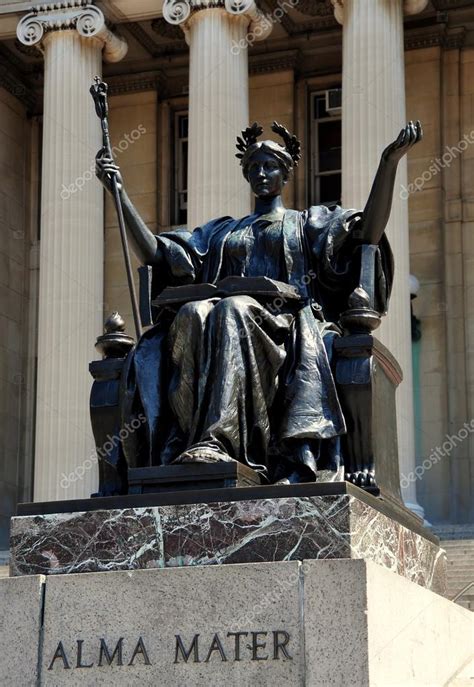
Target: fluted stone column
{"x": 71, "y": 248}
{"x": 373, "y": 91}
{"x": 218, "y": 34}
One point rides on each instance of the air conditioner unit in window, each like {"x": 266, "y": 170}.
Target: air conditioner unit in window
{"x": 334, "y": 101}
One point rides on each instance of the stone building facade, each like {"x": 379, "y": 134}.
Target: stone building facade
{"x": 297, "y": 74}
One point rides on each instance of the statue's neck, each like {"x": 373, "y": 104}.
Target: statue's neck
{"x": 268, "y": 206}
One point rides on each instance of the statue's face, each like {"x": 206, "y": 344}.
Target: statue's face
{"x": 265, "y": 175}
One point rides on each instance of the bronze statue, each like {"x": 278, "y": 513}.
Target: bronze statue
{"x": 242, "y": 371}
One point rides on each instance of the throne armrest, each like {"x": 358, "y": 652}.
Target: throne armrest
{"x": 115, "y": 347}
{"x": 367, "y": 377}
{"x": 361, "y": 316}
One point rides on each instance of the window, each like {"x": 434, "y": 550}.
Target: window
{"x": 180, "y": 151}
{"x": 326, "y": 162}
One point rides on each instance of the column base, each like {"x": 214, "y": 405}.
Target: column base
{"x": 418, "y": 510}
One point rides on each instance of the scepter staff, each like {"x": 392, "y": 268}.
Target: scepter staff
{"x": 98, "y": 91}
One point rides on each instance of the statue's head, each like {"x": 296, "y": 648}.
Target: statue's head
{"x": 267, "y": 165}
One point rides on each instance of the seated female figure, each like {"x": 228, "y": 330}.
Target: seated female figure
{"x": 244, "y": 377}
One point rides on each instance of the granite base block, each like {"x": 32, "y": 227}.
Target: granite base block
{"x": 364, "y": 626}
{"x": 242, "y": 531}
{"x": 297, "y": 624}
{"x": 193, "y": 626}
{"x": 21, "y": 603}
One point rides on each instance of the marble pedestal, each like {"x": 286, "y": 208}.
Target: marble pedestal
{"x": 224, "y": 526}
{"x": 298, "y": 623}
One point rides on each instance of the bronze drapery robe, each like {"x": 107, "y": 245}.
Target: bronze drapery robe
{"x": 249, "y": 378}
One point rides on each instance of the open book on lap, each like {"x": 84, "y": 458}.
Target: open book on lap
{"x": 258, "y": 287}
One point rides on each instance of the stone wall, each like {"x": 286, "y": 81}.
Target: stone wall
{"x": 426, "y": 252}
{"x": 440, "y": 93}
{"x": 14, "y": 189}
{"x": 466, "y": 255}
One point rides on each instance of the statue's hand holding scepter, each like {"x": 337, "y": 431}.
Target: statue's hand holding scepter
{"x": 112, "y": 179}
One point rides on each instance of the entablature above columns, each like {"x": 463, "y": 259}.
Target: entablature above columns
{"x": 87, "y": 19}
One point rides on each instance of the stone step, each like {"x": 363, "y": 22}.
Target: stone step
{"x": 461, "y": 565}
{"x": 454, "y": 589}
{"x": 461, "y": 578}
{"x": 459, "y": 553}
{"x": 459, "y": 548}
{"x": 453, "y": 592}
{"x": 460, "y": 569}
{"x": 456, "y": 554}
{"x": 454, "y": 531}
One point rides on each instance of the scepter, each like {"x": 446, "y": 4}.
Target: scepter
{"x": 98, "y": 91}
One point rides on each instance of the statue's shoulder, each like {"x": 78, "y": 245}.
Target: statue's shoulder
{"x": 217, "y": 225}
{"x": 181, "y": 230}
{"x": 322, "y": 216}
{"x": 208, "y": 227}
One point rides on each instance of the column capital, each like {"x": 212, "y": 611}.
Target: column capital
{"x": 86, "y": 19}
{"x": 179, "y": 12}
{"x": 409, "y": 7}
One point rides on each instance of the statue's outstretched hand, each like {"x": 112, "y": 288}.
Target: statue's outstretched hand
{"x": 407, "y": 138}
{"x": 106, "y": 170}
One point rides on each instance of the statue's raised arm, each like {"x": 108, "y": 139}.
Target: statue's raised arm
{"x": 377, "y": 211}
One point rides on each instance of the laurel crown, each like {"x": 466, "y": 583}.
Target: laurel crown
{"x": 249, "y": 138}
{"x": 251, "y": 134}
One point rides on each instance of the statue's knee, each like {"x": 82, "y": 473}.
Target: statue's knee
{"x": 233, "y": 306}
{"x": 192, "y": 313}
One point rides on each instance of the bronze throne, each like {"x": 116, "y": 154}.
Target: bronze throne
{"x": 366, "y": 373}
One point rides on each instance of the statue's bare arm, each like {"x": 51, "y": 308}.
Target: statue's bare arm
{"x": 377, "y": 210}
{"x": 143, "y": 241}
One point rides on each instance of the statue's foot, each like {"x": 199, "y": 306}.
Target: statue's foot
{"x": 297, "y": 477}
{"x": 202, "y": 453}
{"x": 361, "y": 478}
{"x": 294, "y": 478}
{"x": 298, "y": 466}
